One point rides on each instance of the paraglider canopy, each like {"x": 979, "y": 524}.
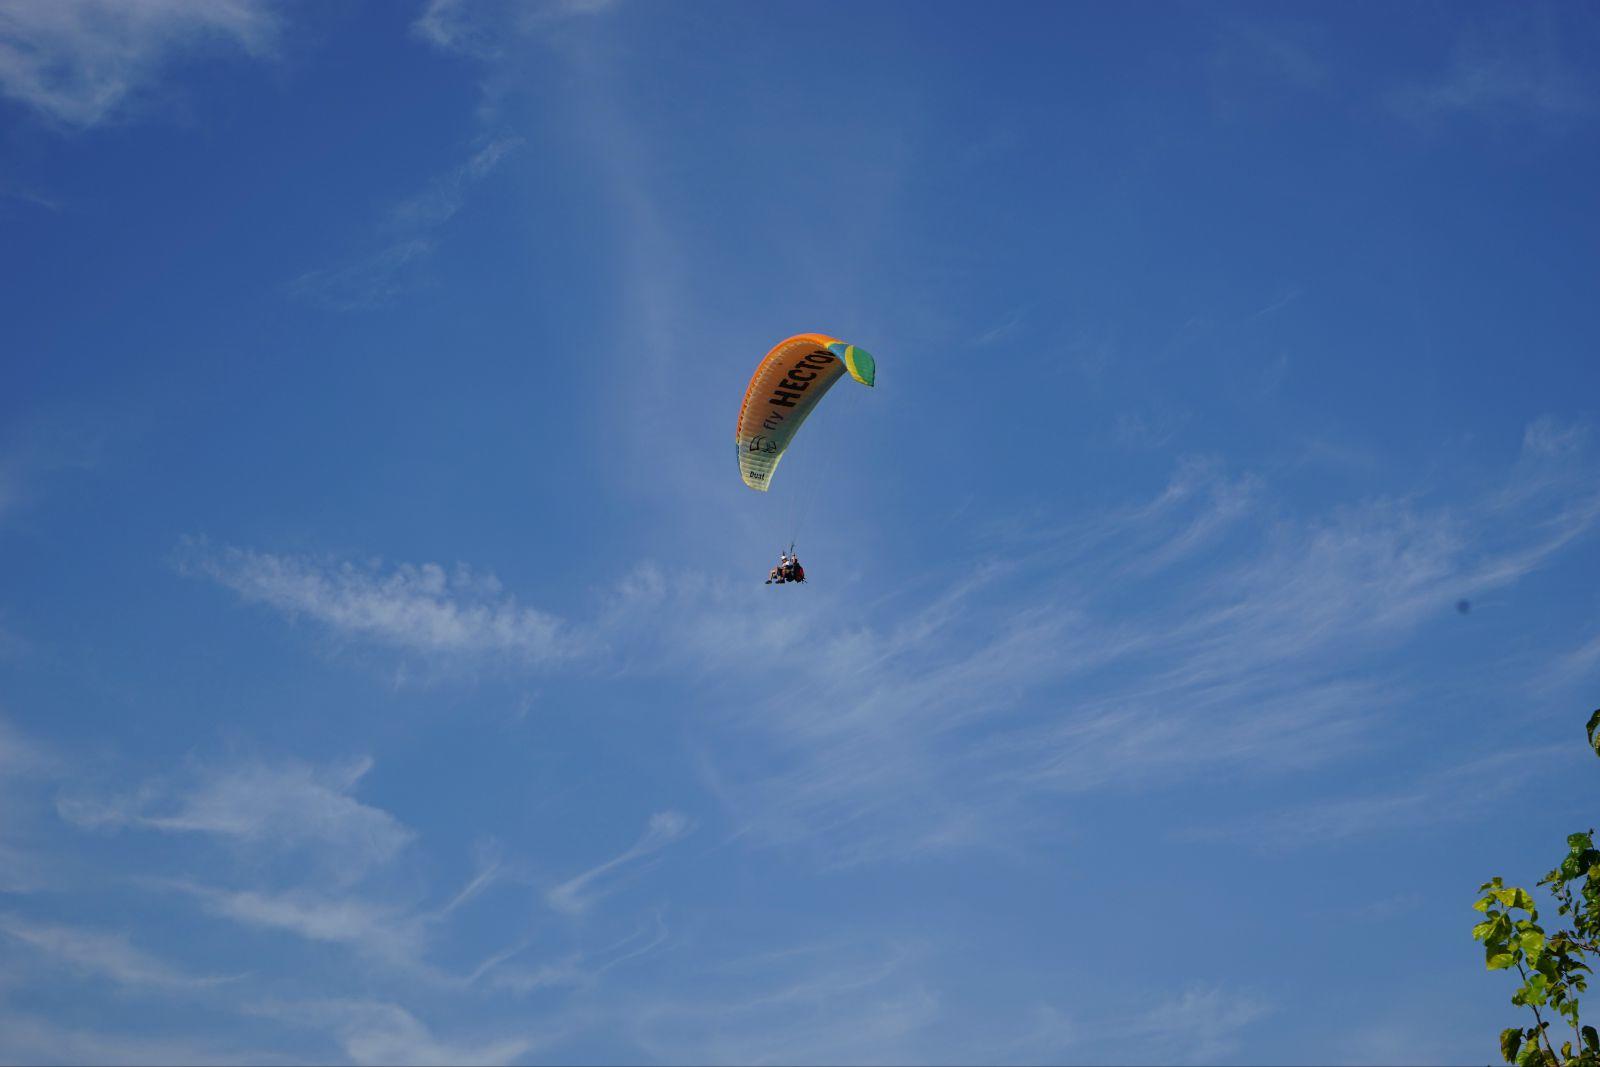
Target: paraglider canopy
{"x": 786, "y": 387}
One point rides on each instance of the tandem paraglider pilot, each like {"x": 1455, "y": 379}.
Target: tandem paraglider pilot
{"x": 787, "y": 570}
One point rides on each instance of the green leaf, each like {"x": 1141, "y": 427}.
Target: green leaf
{"x": 1591, "y": 1038}
{"x": 1510, "y": 1042}
{"x": 1514, "y": 897}
{"x": 1498, "y": 961}
{"x": 1481, "y": 931}
{"x": 1590, "y": 728}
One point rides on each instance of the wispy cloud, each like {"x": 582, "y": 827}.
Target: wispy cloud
{"x": 1123, "y": 656}
{"x": 1577, "y": 665}
{"x": 421, "y": 609}
{"x": 28, "y": 196}
{"x": 657, "y": 285}
{"x": 101, "y": 954}
{"x": 1209, "y": 627}
{"x": 1006, "y": 327}
{"x": 45, "y": 443}
{"x": 1293, "y": 293}
{"x": 482, "y": 28}
{"x": 396, "y": 268}
{"x": 315, "y": 863}
{"x": 1447, "y": 795}
{"x": 390, "y": 934}
{"x": 455, "y": 26}
{"x": 826, "y": 1004}
{"x": 24, "y": 867}
{"x": 488, "y": 872}
{"x": 375, "y": 1032}
{"x": 1256, "y": 62}
{"x": 1202, "y": 1025}
{"x": 29, "y": 1039}
{"x": 575, "y": 894}
{"x": 1149, "y": 429}
{"x": 80, "y": 62}
{"x": 1550, "y": 437}
{"x": 284, "y": 807}
{"x": 1496, "y": 86}
{"x": 1223, "y": 503}
{"x": 576, "y": 969}
{"x": 1513, "y": 71}
{"x": 19, "y": 756}
{"x": 372, "y": 281}
{"x": 1390, "y": 1036}
{"x": 22, "y": 870}
{"x": 438, "y": 204}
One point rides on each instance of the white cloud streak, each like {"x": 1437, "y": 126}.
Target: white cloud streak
{"x": 1511, "y": 71}
{"x": 105, "y": 955}
{"x": 1550, "y": 437}
{"x": 389, "y": 934}
{"x": 418, "y": 609}
{"x": 44, "y": 444}
{"x": 381, "y": 1033}
{"x": 574, "y": 896}
{"x": 440, "y": 202}
{"x": 480, "y": 29}
{"x": 1578, "y": 665}
{"x": 81, "y": 62}
{"x": 372, "y": 281}
{"x": 1257, "y": 653}
{"x": 926, "y": 726}
{"x": 23, "y": 869}
{"x": 378, "y": 278}
{"x": 1451, "y": 794}
{"x": 18, "y": 756}
{"x": 28, "y": 1039}
{"x": 1202, "y": 1025}
{"x": 277, "y": 808}
{"x": 824, "y": 1005}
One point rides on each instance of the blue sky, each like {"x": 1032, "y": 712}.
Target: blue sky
{"x": 385, "y": 669}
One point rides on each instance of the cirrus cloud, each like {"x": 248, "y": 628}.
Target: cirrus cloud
{"x": 415, "y": 608}
{"x": 81, "y": 62}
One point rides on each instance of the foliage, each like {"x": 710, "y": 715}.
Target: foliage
{"x": 1551, "y": 966}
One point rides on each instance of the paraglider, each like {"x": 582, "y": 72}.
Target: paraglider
{"x": 785, "y": 388}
